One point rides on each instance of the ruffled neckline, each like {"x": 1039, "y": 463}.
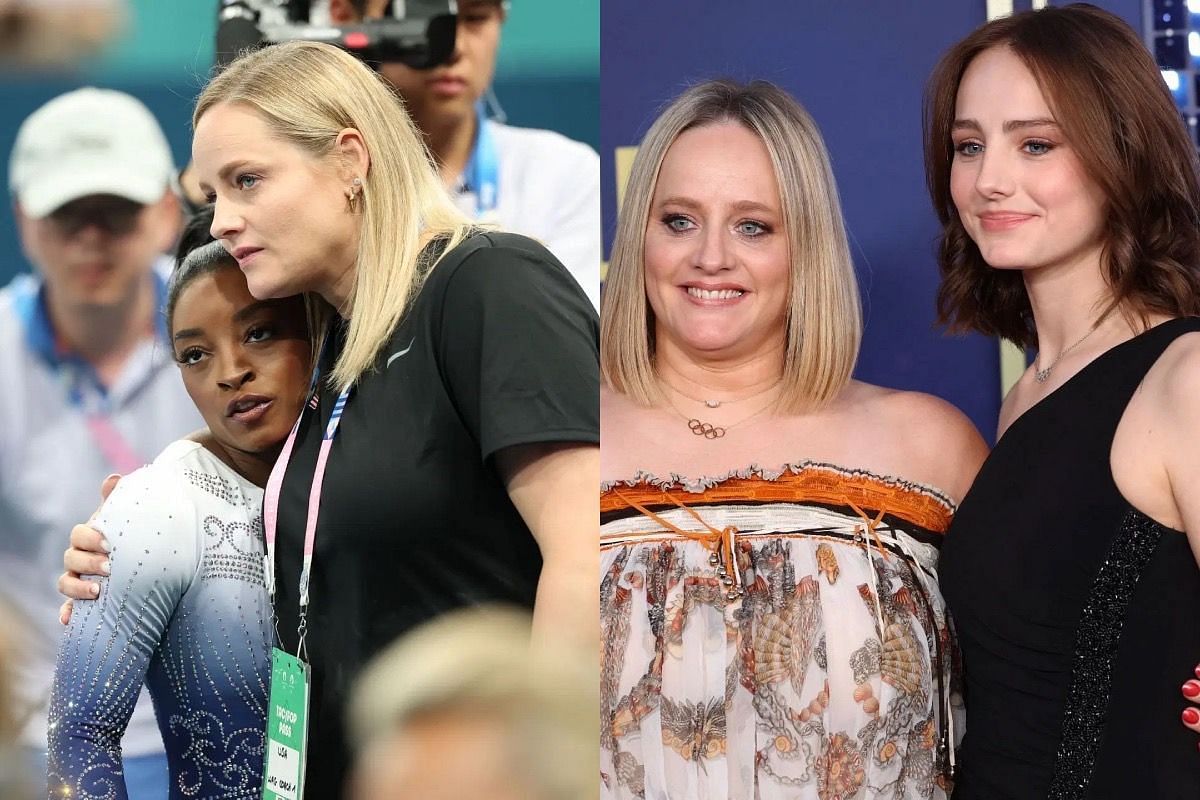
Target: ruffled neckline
{"x": 706, "y": 483}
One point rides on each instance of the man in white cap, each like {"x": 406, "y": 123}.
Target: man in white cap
{"x": 89, "y": 387}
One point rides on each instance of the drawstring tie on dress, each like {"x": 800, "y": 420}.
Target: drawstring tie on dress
{"x": 719, "y": 542}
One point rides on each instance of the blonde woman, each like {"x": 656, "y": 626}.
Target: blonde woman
{"x": 770, "y": 612}
{"x": 462, "y": 365}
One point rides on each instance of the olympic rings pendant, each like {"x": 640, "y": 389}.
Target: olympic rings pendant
{"x": 706, "y": 430}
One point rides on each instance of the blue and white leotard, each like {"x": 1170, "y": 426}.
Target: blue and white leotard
{"x": 185, "y": 611}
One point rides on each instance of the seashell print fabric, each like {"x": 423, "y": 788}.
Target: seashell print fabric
{"x": 829, "y": 676}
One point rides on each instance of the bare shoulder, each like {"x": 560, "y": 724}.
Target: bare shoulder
{"x": 927, "y": 413}
{"x": 620, "y": 421}
{"x": 614, "y": 406}
{"x": 1175, "y": 377}
{"x": 942, "y": 446}
{"x": 1169, "y": 396}
{"x": 1165, "y": 415}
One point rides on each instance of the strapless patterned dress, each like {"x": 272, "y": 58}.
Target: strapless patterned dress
{"x": 775, "y": 635}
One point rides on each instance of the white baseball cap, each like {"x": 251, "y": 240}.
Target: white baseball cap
{"x": 85, "y": 142}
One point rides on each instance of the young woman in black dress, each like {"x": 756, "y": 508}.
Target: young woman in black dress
{"x": 1067, "y": 187}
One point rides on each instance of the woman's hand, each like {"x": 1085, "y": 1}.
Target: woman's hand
{"x": 88, "y": 555}
{"x": 1191, "y": 691}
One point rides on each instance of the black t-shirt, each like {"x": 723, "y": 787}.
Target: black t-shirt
{"x": 499, "y": 348}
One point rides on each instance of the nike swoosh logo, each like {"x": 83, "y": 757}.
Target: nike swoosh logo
{"x": 399, "y": 353}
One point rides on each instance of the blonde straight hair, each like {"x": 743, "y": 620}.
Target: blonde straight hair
{"x": 308, "y": 93}
{"x": 824, "y": 325}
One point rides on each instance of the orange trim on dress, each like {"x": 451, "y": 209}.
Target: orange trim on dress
{"x": 823, "y": 485}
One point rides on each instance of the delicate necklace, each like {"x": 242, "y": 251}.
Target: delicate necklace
{"x": 1041, "y": 375}
{"x": 718, "y": 403}
{"x": 708, "y": 430}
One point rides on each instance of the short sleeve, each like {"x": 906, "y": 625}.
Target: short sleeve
{"x": 108, "y": 646}
{"x": 519, "y": 347}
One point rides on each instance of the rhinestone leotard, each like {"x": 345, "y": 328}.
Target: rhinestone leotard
{"x": 185, "y": 612}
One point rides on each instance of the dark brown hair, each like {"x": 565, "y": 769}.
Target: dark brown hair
{"x": 1111, "y": 103}
{"x": 196, "y": 254}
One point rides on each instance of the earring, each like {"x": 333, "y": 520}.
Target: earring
{"x": 352, "y": 193}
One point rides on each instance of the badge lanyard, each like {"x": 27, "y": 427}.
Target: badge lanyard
{"x": 271, "y": 505}
{"x": 121, "y": 455}
{"x": 482, "y": 175}
{"x": 291, "y": 680}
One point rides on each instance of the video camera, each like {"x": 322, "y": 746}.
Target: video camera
{"x": 419, "y": 33}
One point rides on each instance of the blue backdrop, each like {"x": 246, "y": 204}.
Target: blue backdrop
{"x": 859, "y": 66}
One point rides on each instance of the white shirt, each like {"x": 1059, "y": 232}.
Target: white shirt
{"x": 50, "y": 475}
{"x": 548, "y": 189}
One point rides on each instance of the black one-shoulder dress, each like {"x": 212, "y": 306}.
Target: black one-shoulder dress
{"x": 1078, "y": 616}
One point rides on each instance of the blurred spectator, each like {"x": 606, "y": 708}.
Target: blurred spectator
{"x": 89, "y": 384}
{"x": 462, "y": 707}
{"x": 51, "y": 33}
{"x": 528, "y": 181}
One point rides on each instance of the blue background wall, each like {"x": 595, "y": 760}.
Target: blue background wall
{"x": 547, "y": 76}
{"x": 859, "y": 67}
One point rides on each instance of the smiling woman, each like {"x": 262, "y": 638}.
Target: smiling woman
{"x": 1067, "y": 187}
{"x": 710, "y": 211}
{"x": 769, "y": 526}
{"x": 1015, "y": 173}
